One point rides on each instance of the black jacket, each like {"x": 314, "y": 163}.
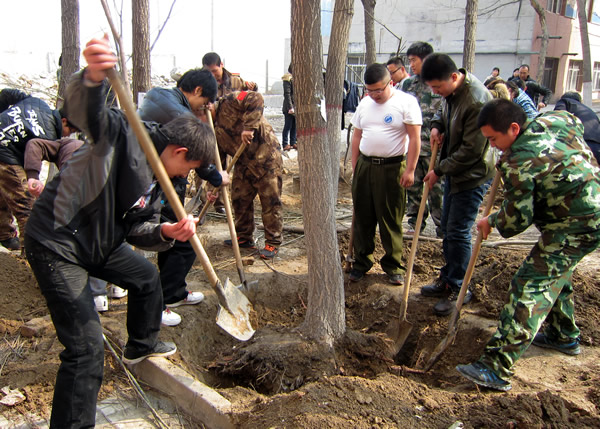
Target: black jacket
{"x": 591, "y": 123}
{"x": 84, "y": 212}
{"x": 25, "y": 118}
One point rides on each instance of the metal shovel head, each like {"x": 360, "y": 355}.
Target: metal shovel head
{"x": 400, "y": 333}
{"x": 441, "y": 348}
{"x": 234, "y": 315}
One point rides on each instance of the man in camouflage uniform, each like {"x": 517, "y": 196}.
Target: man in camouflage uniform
{"x": 227, "y": 83}
{"x": 430, "y": 103}
{"x": 550, "y": 181}
{"x": 239, "y": 120}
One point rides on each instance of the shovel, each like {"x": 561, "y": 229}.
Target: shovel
{"x": 234, "y": 310}
{"x": 234, "y": 242}
{"x": 452, "y": 324}
{"x": 349, "y": 259}
{"x": 403, "y": 328}
{"x": 237, "y": 155}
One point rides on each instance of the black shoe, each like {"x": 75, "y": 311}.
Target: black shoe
{"x": 12, "y": 243}
{"x": 445, "y": 306}
{"x": 242, "y": 243}
{"x": 571, "y": 348}
{"x": 437, "y": 288}
{"x": 355, "y": 275}
{"x": 396, "y": 279}
{"x": 220, "y": 210}
{"x": 160, "y": 349}
{"x": 269, "y": 252}
{"x": 480, "y": 374}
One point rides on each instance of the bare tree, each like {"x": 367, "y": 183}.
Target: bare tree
{"x": 141, "y": 47}
{"x": 470, "y": 35}
{"x": 541, "y": 12}
{"x": 325, "y": 318}
{"x": 370, "y": 52}
{"x": 585, "y": 48}
{"x": 334, "y": 78}
{"x": 70, "y": 45}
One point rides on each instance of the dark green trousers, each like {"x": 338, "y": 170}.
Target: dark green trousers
{"x": 379, "y": 200}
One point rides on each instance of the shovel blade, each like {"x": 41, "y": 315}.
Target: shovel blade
{"x": 234, "y": 314}
{"x": 441, "y": 348}
{"x": 399, "y": 334}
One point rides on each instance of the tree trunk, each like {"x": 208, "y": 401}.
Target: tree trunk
{"x": 541, "y": 12}
{"x": 334, "y": 78}
{"x": 325, "y": 317}
{"x": 141, "y": 47}
{"x": 70, "y": 45}
{"x": 470, "y": 35}
{"x": 370, "y": 51}
{"x": 585, "y": 49}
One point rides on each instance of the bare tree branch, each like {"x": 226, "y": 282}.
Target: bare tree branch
{"x": 163, "y": 26}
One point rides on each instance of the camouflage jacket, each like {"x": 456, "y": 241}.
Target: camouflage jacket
{"x": 231, "y": 82}
{"x": 549, "y": 179}
{"x": 428, "y": 101}
{"x": 243, "y": 111}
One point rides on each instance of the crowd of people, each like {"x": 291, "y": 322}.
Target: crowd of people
{"x": 79, "y": 233}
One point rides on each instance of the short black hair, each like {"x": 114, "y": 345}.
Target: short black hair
{"x": 520, "y": 84}
{"x": 63, "y": 115}
{"x": 511, "y": 84}
{"x": 199, "y": 77}
{"x": 438, "y": 67}
{"x": 419, "y": 49}
{"x": 499, "y": 113}
{"x": 525, "y": 65}
{"x": 497, "y": 69}
{"x": 193, "y": 134}
{"x": 375, "y": 73}
{"x": 572, "y": 95}
{"x": 397, "y": 61}
{"x": 211, "y": 59}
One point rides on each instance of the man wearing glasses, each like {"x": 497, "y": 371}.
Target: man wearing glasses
{"x": 385, "y": 148}
{"x": 398, "y": 71}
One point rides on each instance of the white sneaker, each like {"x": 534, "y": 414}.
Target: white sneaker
{"x": 191, "y": 299}
{"x": 117, "y": 292}
{"x": 170, "y": 318}
{"x": 101, "y": 302}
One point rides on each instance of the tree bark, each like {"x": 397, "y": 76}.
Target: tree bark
{"x": 370, "y": 50}
{"x": 585, "y": 49}
{"x": 470, "y": 35}
{"x": 325, "y": 317}
{"x": 541, "y": 12}
{"x": 334, "y": 78}
{"x": 70, "y": 45}
{"x": 141, "y": 47}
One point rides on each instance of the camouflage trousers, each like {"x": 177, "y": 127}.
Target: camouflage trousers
{"x": 245, "y": 186}
{"x": 415, "y": 192}
{"x": 15, "y": 200}
{"x": 541, "y": 290}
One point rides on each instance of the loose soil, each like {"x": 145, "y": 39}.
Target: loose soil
{"x": 281, "y": 379}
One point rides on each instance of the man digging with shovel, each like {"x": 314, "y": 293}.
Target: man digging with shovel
{"x": 549, "y": 181}
{"x": 77, "y": 228}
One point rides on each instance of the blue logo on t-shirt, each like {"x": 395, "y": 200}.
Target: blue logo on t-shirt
{"x": 388, "y": 118}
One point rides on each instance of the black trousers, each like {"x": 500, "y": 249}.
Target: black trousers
{"x": 174, "y": 265}
{"x": 66, "y": 288}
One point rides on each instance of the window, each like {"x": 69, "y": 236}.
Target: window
{"x": 355, "y": 68}
{"x": 556, "y": 6}
{"x": 575, "y": 76}
{"x": 550, "y": 72}
{"x": 596, "y": 77}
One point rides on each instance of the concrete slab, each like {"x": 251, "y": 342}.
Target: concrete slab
{"x": 195, "y": 398}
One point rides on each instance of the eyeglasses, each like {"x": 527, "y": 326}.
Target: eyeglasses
{"x": 377, "y": 91}
{"x": 392, "y": 72}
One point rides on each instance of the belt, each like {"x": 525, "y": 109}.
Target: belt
{"x": 380, "y": 161}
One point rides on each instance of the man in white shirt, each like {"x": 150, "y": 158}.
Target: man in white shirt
{"x": 397, "y": 71}
{"x": 385, "y": 149}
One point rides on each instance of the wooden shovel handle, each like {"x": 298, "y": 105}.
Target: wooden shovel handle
{"x": 415, "y": 240}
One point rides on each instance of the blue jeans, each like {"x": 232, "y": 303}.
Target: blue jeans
{"x": 289, "y": 129}
{"x": 69, "y": 298}
{"x": 459, "y": 212}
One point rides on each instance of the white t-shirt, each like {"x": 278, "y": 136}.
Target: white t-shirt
{"x": 383, "y": 132}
